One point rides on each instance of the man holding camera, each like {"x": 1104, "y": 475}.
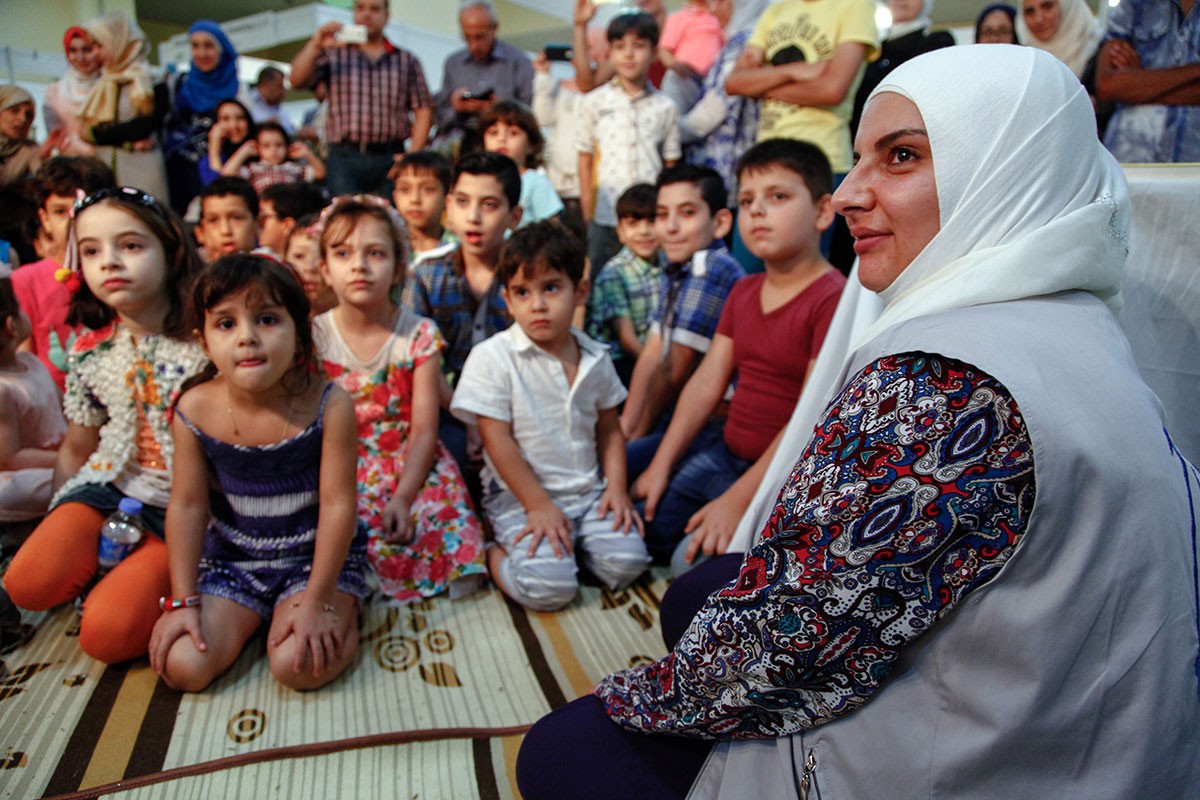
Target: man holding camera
{"x": 377, "y": 98}
{"x": 484, "y": 72}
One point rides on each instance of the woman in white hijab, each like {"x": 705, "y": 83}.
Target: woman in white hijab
{"x": 1065, "y": 28}
{"x": 979, "y": 578}
{"x": 124, "y": 110}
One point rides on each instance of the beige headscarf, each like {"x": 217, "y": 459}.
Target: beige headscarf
{"x": 1076, "y": 39}
{"x": 126, "y": 66}
{"x": 12, "y": 95}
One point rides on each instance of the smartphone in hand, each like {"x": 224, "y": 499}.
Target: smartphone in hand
{"x": 559, "y": 52}
{"x": 485, "y": 94}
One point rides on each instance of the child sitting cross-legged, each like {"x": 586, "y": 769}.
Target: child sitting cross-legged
{"x": 261, "y": 521}
{"x": 545, "y": 399}
{"x": 771, "y": 327}
{"x": 626, "y": 291}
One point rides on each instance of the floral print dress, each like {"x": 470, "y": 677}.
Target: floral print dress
{"x": 448, "y": 543}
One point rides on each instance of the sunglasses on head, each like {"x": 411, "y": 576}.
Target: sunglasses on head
{"x": 127, "y": 194}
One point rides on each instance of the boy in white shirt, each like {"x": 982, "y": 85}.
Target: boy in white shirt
{"x": 545, "y": 399}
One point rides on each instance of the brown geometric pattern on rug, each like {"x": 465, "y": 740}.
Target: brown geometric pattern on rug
{"x": 439, "y": 697}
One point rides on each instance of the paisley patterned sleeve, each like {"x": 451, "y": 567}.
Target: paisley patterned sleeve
{"x": 914, "y": 491}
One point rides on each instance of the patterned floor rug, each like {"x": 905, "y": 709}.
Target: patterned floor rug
{"x": 434, "y": 708}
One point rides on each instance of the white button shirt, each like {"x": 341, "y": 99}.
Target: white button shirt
{"x": 509, "y": 378}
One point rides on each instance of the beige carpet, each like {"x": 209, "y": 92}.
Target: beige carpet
{"x": 434, "y": 708}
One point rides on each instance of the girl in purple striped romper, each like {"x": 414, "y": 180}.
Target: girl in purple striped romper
{"x": 261, "y": 524}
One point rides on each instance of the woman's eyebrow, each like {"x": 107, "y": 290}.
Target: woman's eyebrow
{"x": 887, "y": 139}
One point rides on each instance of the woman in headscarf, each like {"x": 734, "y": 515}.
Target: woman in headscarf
{"x": 1065, "y": 28}
{"x": 213, "y": 77}
{"x": 18, "y": 153}
{"x": 979, "y": 578}
{"x": 64, "y": 97}
{"x": 907, "y": 37}
{"x": 124, "y": 109}
{"x": 996, "y": 24}
{"x": 720, "y": 127}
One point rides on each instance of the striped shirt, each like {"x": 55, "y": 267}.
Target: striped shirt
{"x": 370, "y": 100}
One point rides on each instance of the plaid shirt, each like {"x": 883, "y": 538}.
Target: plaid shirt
{"x": 262, "y": 176}
{"x": 692, "y": 296}
{"x": 370, "y": 101}
{"x": 628, "y": 286}
{"x": 438, "y": 289}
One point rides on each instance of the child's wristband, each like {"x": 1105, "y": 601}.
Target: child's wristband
{"x": 176, "y": 603}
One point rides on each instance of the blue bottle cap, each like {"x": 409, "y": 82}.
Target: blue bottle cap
{"x": 130, "y": 505}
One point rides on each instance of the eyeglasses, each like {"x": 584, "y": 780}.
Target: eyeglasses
{"x": 126, "y": 193}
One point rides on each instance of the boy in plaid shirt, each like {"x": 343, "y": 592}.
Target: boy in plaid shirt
{"x": 626, "y": 291}
{"x": 691, "y": 218}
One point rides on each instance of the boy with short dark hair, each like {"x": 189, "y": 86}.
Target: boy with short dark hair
{"x": 555, "y": 457}
{"x": 770, "y": 331}
{"x": 691, "y": 218}
{"x": 228, "y": 218}
{"x": 422, "y": 183}
{"x": 634, "y": 129}
{"x": 280, "y": 207}
{"x": 39, "y": 294}
{"x": 280, "y": 160}
{"x": 626, "y": 290}
{"x": 458, "y": 288}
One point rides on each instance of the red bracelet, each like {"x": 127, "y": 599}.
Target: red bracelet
{"x": 176, "y": 603}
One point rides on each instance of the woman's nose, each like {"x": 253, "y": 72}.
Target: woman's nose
{"x": 852, "y": 193}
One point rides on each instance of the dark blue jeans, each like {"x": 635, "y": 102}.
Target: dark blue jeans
{"x": 702, "y": 476}
{"x": 350, "y": 172}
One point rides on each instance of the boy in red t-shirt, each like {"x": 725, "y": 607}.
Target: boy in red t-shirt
{"x": 771, "y": 328}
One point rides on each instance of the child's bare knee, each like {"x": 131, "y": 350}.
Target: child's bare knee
{"x": 187, "y": 669}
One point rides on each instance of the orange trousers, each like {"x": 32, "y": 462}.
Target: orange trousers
{"x": 59, "y": 558}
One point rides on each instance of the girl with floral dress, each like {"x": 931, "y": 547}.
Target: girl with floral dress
{"x": 122, "y": 379}
{"x": 424, "y": 536}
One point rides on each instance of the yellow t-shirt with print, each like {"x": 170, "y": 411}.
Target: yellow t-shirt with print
{"x": 810, "y": 30}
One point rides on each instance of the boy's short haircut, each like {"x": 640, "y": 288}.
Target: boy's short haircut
{"x": 271, "y": 125}
{"x": 639, "y": 23}
{"x": 62, "y": 175}
{"x": 639, "y": 201}
{"x": 427, "y": 161}
{"x": 706, "y": 179}
{"x": 514, "y": 112}
{"x": 543, "y": 245}
{"x": 294, "y": 200}
{"x": 803, "y": 158}
{"x": 231, "y": 184}
{"x": 500, "y": 167}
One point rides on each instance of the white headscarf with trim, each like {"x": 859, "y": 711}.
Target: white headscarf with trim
{"x": 1031, "y": 204}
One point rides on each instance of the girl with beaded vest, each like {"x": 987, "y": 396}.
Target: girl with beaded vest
{"x": 129, "y": 262}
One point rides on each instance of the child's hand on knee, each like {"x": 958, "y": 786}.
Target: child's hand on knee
{"x": 318, "y": 634}
{"x": 170, "y": 627}
{"x": 547, "y": 522}
{"x": 625, "y": 516}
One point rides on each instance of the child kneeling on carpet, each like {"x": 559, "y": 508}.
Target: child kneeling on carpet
{"x": 275, "y": 537}
{"x": 545, "y": 398}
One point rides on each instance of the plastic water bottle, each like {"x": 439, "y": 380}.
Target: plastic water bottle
{"x": 120, "y": 533}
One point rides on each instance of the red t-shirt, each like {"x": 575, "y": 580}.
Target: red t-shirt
{"x": 46, "y": 301}
{"x": 771, "y": 353}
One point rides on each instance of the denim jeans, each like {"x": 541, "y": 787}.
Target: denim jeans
{"x": 701, "y": 477}
{"x": 350, "y": 172}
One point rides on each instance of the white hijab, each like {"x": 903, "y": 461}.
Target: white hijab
{"x": 1031, "y": 203}
{"x": 1076, "y": 39}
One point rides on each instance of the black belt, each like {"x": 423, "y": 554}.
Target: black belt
{"x": 396, "y": 146}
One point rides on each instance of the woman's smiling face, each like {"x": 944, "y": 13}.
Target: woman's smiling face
{"x": 890, "y": 197}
